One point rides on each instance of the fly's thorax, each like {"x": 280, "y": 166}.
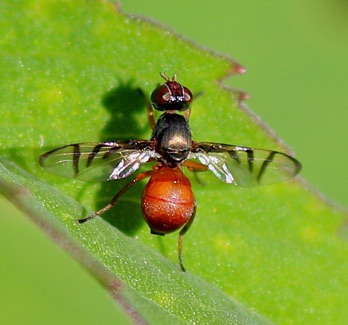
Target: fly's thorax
{"x": 174, "y": 138}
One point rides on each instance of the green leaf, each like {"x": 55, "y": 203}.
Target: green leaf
{"x": 80, "y": 71}
{"x": 159, "y": 293}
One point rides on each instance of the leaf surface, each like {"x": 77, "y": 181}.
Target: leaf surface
{"x": 81, "y": 72}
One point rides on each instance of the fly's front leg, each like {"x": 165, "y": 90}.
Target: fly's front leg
{"x": 182, "y": 232}
{"x": 138, "y": 178}
{"x": 187, "y": 114}
{"x": 151, "y": 116}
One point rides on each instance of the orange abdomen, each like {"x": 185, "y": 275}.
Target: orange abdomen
{"x": 167, "y": 201}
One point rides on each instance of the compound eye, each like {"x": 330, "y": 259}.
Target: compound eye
{"x": 171, "y": 97}
{"x": 187, "y": 97}
{"x": 160, "y": 97}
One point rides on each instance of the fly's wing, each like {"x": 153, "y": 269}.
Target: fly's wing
{"x": 98, "y": 161}
{"x": 245, "y": 166}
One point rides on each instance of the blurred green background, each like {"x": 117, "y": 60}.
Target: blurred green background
{"x": 295, "y": 53}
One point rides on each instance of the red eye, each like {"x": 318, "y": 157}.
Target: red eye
{"x": 187, "y": 95}
{"x": 160, "y": 97}
{"x": 171, "y": 96}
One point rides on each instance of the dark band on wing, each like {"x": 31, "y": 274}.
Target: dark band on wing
{"x": 94, "y": 152}
{"x": 250, "y": 154}
{"x": 235, "y": 156}
{"x": 111, "y": 151}
{"x": 76, "y": 158}
{"x": 115, "y": 147}
{"x": 265, "y": 164}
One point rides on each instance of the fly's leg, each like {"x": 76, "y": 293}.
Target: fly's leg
{"x": 195, "y": 167}
{"x": 192, "y": 166}
{"x": 138, "y": 178}
{"x": 187, "y": 113}
{"x": 151, "y": 116}
{"x": 183, "y": 231}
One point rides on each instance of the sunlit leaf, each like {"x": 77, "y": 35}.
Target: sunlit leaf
{"x": 81, "y": 71}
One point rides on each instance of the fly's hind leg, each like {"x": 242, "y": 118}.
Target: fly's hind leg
{"x": 138, "y": 178}
{"x": 183, "y": 231}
